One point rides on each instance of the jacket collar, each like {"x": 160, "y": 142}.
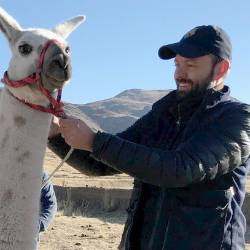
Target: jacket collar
{"x": 210, "y": 99}
{"x": 214, "y": 97}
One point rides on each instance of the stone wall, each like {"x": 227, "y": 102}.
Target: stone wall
{"x": 110, "y": 199}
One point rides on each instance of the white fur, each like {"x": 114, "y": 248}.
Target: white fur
{"x": 23, "y": 137}
{"x": 22, "y": 150}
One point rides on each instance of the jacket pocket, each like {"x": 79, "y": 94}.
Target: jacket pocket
{"x": 197, "y": 227}
{"x": 133, "y": 203}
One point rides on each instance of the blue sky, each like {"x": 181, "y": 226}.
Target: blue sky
{"x": 116, "y": 48}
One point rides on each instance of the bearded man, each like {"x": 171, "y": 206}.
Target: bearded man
{"x": 189, "y": 155}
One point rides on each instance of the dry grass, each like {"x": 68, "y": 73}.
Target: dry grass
{"x": 68, "y": 208}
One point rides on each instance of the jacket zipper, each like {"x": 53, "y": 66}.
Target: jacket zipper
{"x": 178, "y": 125}
{"x": 127, "y": 239}
{"x": 178, "y": 122}
{"x": 127, "y": 243}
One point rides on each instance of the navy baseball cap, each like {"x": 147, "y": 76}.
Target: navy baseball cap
{"x": 200, "y": 41}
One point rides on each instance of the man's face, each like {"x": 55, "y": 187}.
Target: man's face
{"x": 193, "y": 75}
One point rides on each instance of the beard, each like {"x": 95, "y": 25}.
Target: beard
{"x": 198, "y": 88}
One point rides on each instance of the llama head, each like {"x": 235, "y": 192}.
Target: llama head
{"x": 26, "y": 46}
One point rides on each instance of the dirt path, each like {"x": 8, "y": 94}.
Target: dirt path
{"x": 89, "y": 231}
{"x": 95, "y": 232}
{"x": 100, "y": 231}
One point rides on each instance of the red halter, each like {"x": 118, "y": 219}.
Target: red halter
{"x": 56, "y": 106}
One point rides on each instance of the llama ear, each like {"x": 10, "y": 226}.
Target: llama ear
{"x": 9, "y": 26}
{"x": 65, "y": 28}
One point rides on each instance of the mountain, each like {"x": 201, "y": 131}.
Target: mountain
{"x": 73, "y": 110}
{"x": 117, "y": 113}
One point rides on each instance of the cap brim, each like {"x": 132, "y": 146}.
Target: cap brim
{"x": 169, "y": 51}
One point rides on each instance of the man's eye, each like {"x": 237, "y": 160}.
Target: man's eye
{"x": 25, "y": 49}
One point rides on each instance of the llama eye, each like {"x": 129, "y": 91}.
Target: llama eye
{"x": 25, "y": 49}
{"x": 67, "y": 50}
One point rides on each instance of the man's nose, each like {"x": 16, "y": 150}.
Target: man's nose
{"x": 180, "y": 72}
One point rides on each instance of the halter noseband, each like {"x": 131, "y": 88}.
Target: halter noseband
{"x": 55, "y": 106}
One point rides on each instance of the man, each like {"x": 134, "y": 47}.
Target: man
{"x": 48, "y": 204}
{"x": 189, "y": 155}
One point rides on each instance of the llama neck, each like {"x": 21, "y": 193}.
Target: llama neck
{"x": 23, "y": 140}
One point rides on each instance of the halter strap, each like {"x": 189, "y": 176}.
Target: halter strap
{"x": 55, "y": 106}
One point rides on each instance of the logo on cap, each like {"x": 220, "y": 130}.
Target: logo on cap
{"x": 190, "y": 33}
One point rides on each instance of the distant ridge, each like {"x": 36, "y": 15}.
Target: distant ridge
{"x": 117, "y": 113}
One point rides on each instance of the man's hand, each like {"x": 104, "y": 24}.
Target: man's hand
{"x": 54, "y": 127}
{"x": 77, "y": 134}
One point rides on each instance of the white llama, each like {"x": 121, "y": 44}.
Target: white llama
{"x": 38, "y": 68}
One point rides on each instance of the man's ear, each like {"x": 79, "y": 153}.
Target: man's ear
{"x": 221, "y": 69}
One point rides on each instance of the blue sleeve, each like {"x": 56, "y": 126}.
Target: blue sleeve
{"x": 48, "y": 205}
{"x": 83, "y": 160}
{"x": 208, "y": 153}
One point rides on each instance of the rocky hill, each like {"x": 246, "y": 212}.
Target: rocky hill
{"x": 117, "y": 113}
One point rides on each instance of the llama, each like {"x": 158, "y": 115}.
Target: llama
{"x": 39, "y": 67}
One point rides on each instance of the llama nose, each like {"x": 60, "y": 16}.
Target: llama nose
{"x": 57, "y": 63}
{"x": 61, "y": 61}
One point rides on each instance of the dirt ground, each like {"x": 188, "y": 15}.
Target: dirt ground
{"x": 90, "y": 232}
{"x": 93, "y": 230}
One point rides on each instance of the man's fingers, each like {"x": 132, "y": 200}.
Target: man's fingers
{"x": 66, "y": 122}
{"x": 65, "y": 130}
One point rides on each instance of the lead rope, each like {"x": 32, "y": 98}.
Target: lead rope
{"x": 44, "y": 183}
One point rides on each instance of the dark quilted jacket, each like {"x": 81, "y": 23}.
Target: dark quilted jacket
{"x": 190, "y": 162}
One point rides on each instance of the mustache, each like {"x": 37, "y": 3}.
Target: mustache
{"x": 184, "y": 80}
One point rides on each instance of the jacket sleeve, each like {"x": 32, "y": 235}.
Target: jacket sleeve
{"x": 217, "y": 149}
{"x": 48, "y": 205}
{"x": 83, "y": 160}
